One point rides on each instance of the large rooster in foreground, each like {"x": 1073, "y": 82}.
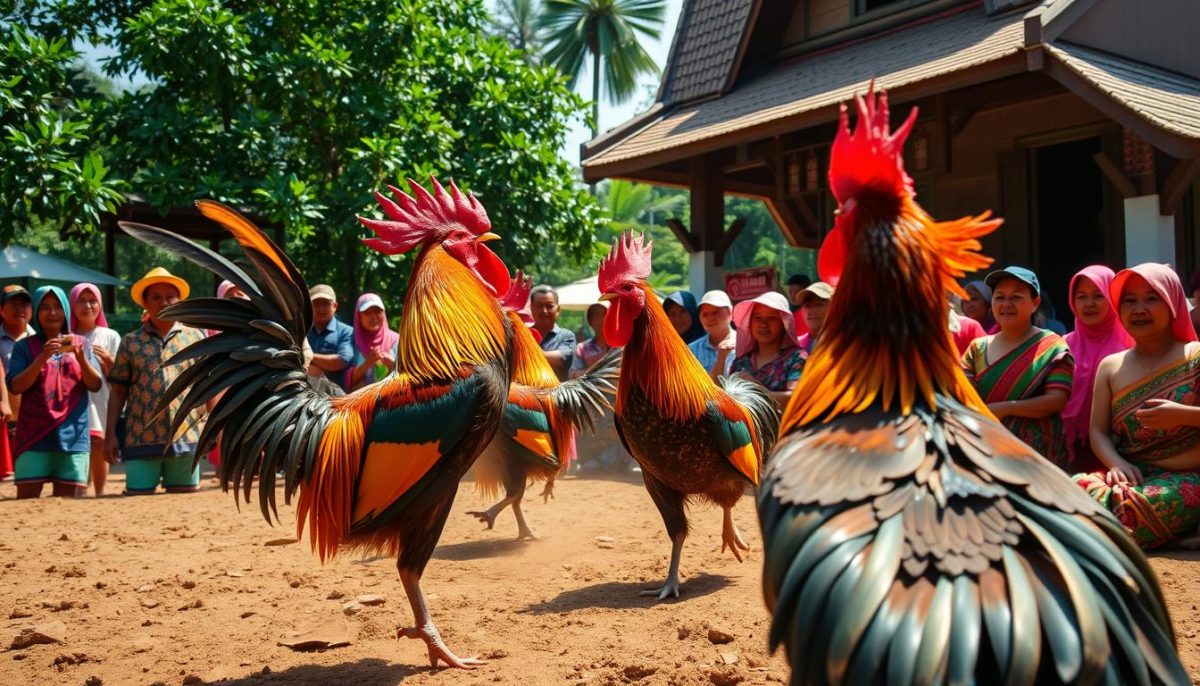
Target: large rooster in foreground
{"x": 692, "y": 438}
{"x": 910, "y": 538}
{"x": 537, "y": 437}
{"x": 378, "y": 469}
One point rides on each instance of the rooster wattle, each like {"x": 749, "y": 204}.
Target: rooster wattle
{"x": 909, "y": 537}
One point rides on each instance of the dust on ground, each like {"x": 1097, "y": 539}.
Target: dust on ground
{"x": 180, "y": 589}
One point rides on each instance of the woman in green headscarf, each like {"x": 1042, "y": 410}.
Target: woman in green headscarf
{"x": 53, "y": 371}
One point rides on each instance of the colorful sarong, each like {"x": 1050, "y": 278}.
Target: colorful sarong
{"x": 1167, "y": 505}
{"x": 1040, "y": 364}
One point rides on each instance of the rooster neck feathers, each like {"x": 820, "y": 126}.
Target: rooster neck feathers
{"x": 663, "y": 368}
{"x": 529, "y": 365}
{"x": 449, "y": 320}
{"x": 893, "y": 266}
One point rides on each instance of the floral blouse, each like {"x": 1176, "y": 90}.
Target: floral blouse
{"x": 775, "y": 375}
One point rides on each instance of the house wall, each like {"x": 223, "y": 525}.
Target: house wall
{"x": 1157, "y": 32}
{"x": 974, "y": 181}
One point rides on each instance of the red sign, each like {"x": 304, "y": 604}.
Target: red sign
{"x": 749, "y": 283}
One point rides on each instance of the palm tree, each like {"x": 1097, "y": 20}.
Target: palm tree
{"x": 605, "y": 29}
{"x": 516, "y": 22}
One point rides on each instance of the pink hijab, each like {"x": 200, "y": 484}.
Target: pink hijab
{"x": 1166, "y": 283}
{"x": 741, "y": 319}
{"x": 79, "y": 288}
{"x": 1090, "y": 344}
{"x": 384, "y": 339}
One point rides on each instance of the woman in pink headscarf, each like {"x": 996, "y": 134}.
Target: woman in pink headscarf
{"x": 766, "y": 349}
{"x": 374, "y": 343}
{"x": 1145, "y": 425}
{"x": 88, "y": 321}
{"x": 1097, "y": 335}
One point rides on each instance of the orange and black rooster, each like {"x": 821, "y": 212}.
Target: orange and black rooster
{"x": 377, "y": 470}
{"x": 693, "y": 439}
{"x": 909, "y": 537}
{"x": 537, "y": 438}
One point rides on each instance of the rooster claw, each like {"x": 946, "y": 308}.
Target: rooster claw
{"x": 438, "y": 649}
{"x": 670, "y": 589}
{"x": 486, "y": 517}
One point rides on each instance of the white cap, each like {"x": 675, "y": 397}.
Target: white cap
{"x": 716, "y": 299}
{"x": 371, "y": 300}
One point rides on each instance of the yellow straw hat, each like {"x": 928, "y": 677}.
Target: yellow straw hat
{"x": 158, "y": 275}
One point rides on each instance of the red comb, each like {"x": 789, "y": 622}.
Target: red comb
{"x": 424, "y": 217}
{"x": 628, "y": 259}
{"x": 871, "y": 157}
{"x": 518, "y": 293}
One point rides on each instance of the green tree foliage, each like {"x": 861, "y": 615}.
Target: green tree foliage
{"x": 605, "y": 30}
{"x": 298, "y": 110}
{"x": 51, "y": 165}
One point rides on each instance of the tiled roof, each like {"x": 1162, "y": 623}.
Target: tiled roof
{"x": 921, "y": 52}
{"x": 1163, "y": 98}
{"x": 705, "y": 47}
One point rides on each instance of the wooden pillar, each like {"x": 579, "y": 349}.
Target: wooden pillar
{"x": 708, "y": 223}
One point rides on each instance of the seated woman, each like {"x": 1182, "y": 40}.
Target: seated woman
{"x": 374, "y": 343}
{"x": 53, "y": 370}
{"x": 766, "y": 345}
{"x": 1022, "y": 372}
{"x": 684, "y": 313}
{"x": 1098, "y": 333}
{"x": 1145, "y": 424}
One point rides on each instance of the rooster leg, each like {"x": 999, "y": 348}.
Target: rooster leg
{"x": 488, "y": 516}
{"x": 425, "y": 630}
{"x": 670, "y": 506}
{"x": 730, "y": 536}
{"x": 524, "y": 533}
{"x": 670, "y": 587}
{"x": 548, "y": 490}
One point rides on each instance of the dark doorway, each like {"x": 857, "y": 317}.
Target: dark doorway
{"x": 1068, "y": 217}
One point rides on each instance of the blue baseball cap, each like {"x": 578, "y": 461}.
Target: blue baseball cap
{"x": 1021, "y": 274}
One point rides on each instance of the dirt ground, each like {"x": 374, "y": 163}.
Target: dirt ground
{"x": 180, "y": 589}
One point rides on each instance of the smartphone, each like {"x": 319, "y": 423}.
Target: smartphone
{"x": 67, "y": 343}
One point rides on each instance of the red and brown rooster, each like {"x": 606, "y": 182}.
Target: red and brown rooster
{"x": 537, "y": 439}
{"x": 910, "y": 538}
{"x": 693, "y": 438}
{"x": 377, "y": 470}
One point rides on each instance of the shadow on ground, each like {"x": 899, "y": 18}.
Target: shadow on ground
{"x": 475, "y": 550}
{"x": 365, "y": 672}
{"x": 622, "y": 595}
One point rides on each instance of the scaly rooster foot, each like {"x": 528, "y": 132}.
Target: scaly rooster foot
{"x": 670, "y": 589}
{"x": 487, "y": 517}
{"x": 732, "y": 539}
{"x": 438, "y": 649}
{"x": 527, "y": 535}
{"x": 548, "y": 492}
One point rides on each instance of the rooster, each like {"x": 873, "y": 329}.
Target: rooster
{"x": 377, "y": 470}
{"x": 909, "y": 538}
{"x": 537, "y": 438}
{"x": 693, "y": 438}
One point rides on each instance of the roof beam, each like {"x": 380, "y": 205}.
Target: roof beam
{"x": 1176, "y": 185}
{"x": 1115, "y": 175}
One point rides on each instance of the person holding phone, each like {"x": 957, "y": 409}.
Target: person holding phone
{"x": 53, "y": 371}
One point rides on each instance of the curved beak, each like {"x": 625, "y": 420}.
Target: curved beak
{"x": 489, "y": 236}
{"x": 608, "y": 296}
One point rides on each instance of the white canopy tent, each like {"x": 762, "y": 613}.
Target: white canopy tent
{"x": 578, "y": 295}
{"x": 23, "y": 263}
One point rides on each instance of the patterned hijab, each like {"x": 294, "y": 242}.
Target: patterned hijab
{"x": 78, "y": 290}
{"x": 1090, "y": 344}
{"x": 1166, "y": 283}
